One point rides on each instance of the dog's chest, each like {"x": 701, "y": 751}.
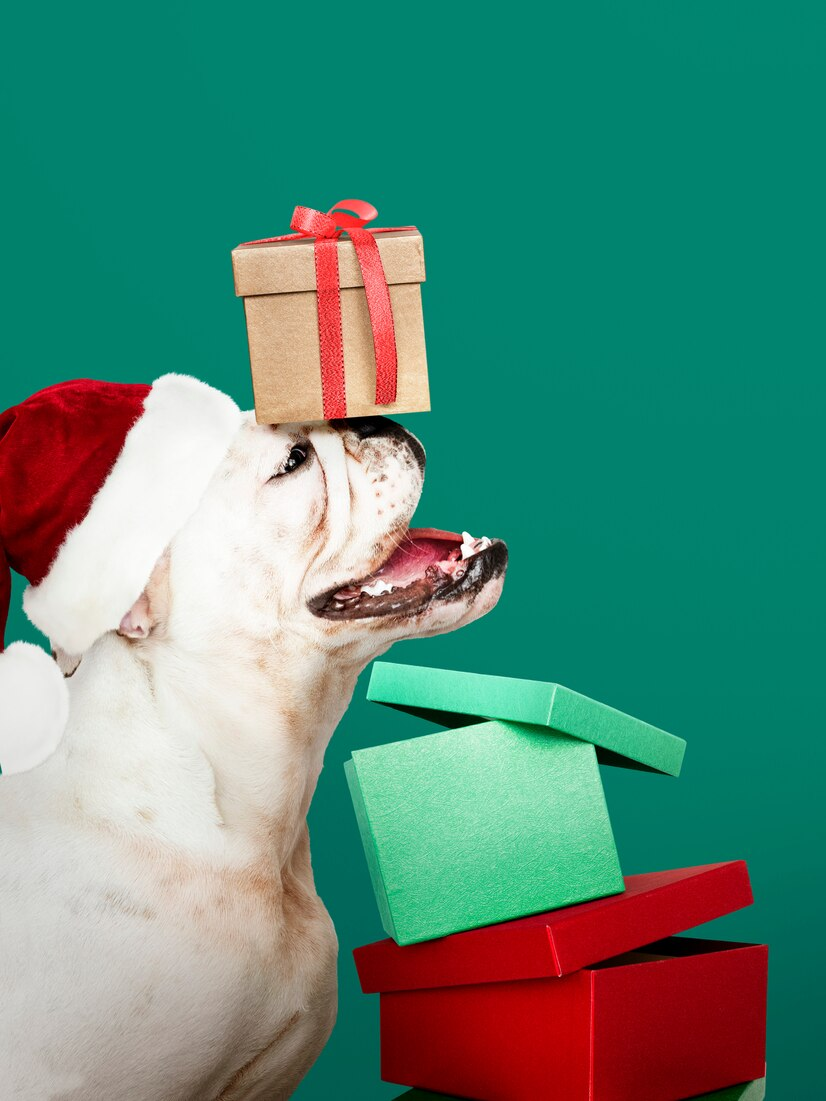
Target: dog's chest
{"x": 163, "y": 963}
{"x": 266, "y": 944}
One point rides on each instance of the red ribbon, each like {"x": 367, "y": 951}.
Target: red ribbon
{"x": 326, "y": 229}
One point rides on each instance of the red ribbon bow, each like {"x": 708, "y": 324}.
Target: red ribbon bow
{"x": 326, "y": 229}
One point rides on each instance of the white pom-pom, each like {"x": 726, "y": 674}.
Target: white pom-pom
{"x": 34, "y": 707}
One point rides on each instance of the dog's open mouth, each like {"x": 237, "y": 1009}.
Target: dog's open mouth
{"x": 427, "y": 565}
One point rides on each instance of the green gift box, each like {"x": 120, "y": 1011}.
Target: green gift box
{"x": 495, "y": 820}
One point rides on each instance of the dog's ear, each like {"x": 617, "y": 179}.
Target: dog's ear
{"x": 138, "y": 621}
{"x": 148, "y": 614}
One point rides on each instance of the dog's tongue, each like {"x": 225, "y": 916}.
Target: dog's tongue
{"x": 423, "y": 552}
{"x": 420, "y": 548}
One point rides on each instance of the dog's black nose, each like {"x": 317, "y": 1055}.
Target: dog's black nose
{"x": 365, "y": 427}
{"x": 372, "y": 427}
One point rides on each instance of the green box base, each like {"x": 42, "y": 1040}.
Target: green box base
{"x": 479, "y": 825}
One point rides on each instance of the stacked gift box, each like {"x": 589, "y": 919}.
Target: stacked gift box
{"x": 334, "y": 323}
{"x": 521, "y": 965}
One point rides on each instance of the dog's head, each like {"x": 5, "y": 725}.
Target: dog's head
{"x": 304, "y": 533}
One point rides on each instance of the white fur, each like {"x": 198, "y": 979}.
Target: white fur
{"x": 34, "y": 707}
{"x": 166, "y": 463}
{"x": 162, "y": 939}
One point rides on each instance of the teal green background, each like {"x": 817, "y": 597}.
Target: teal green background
{"x": 623, "y": 216}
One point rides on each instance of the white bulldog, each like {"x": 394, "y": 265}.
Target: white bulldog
{"x": 161, "y": 938}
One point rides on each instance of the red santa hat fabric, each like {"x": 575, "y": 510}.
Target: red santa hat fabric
{"x": 95, "y": 480}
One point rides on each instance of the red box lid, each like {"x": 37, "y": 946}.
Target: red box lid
{"x": 654, "y": 906}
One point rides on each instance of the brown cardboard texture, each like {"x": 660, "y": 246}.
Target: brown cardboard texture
{"x": 278, "y": 284}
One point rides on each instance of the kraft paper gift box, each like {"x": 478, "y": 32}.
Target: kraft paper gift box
{"x": 279, "y": 282}
{"x": 545, "y": 1007}
{"x": 493, "y": 821}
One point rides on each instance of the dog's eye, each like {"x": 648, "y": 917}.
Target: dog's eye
{"x": 296, "y": 457}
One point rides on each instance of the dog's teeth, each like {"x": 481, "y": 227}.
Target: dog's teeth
{"x": 377, "y": 588}
{"x": 471, "y": 546}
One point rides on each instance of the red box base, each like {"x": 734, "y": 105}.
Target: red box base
{"x": 679, "y": 1019}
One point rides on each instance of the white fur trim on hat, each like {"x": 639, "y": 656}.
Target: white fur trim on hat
{"x": 155, "y": 485}
{"x": 34, "y": 707}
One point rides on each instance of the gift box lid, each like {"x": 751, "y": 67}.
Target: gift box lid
{"x": 283, "y": 267}
{"x": 747, "y": 1091}
{"x": 453, "y": 698}
{"x": 654, "y": 906}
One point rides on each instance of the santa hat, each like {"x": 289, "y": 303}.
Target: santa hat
{"x": 34, "y": 707}
{"x": 95, "y": 480}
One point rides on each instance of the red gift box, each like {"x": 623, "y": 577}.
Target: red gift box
{"x": 546, "y": 1008}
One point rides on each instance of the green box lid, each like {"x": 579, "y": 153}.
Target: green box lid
{"x": 452, "y": 698}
